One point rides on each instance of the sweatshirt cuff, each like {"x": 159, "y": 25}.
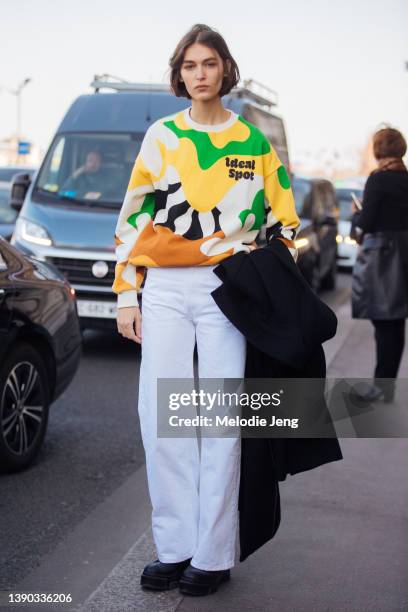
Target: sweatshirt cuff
{"x": 127, "y": 298}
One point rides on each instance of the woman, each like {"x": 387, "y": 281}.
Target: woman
{"x": 204, "y": 183}
{"x": 380, "y": 275}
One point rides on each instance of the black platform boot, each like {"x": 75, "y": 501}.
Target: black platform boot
{"x": 162, "y": 576}
{"x": 387, "y": 386}
{"x": 382, "y": 389}
{"x": 196, "y": 581}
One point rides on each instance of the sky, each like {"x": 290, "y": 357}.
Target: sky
{"x": 339, "y": 67}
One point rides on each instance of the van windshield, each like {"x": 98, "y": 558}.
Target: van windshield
{"x": 89, "y": 168}
{"x": 345, "y": 202}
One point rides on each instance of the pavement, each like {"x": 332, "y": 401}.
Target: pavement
{"x": 342, "y": 543}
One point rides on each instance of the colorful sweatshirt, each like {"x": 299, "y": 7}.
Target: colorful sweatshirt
{"x": 198, "y": 194}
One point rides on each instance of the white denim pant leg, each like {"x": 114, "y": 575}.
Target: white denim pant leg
{"x": 194, "y": 499}
{"x": 172, "y": 465}
{"x": 221, "y": 352}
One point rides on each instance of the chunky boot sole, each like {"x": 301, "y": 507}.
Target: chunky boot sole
{"x": 194, "y": 588}
{"x": 161, "y": 576}
{"x": 158, "y": 583}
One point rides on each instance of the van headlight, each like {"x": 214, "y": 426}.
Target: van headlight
{"x": 31, "y": 232}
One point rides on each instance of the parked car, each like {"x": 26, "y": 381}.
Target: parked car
{"x": 317, "y": 208}
{"x": 8, "y": 172}
{"x": 346, "y": 246}
{"x": 74, "y": 228}
{"x": 8, "y": 215}
{"x": 40, "y": 349}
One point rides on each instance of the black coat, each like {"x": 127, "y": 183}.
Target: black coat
{"x": 285, "y": 323}
{"x": 379, "y": 287}
{"x": 380, "y": 274}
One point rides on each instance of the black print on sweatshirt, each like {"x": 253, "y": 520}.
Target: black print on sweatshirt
{"x": 240, "y": 169}
{"x": 175, "y": 211}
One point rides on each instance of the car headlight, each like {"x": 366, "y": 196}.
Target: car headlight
{"x": 31, "y": 232}
{"x": 346, "y": 239}
{"x": 301, "y": 243}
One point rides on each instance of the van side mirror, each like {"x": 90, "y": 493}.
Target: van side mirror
{"x": 19, "y": 187}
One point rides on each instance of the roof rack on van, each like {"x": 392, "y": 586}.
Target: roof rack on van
{"x": 103, "y": 82}
{"x": 257, "y": 92}
{"x": 251, "y": 88}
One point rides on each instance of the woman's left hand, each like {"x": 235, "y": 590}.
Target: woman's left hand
{"x": 253, "y": 245}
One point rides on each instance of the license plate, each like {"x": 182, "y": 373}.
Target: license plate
{"x": 91, "y": 308}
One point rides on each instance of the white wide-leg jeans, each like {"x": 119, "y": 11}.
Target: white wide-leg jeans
{"x": 194, "y": 496}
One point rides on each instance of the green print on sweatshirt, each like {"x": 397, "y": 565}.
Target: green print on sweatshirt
{"x": 208, "y": 154}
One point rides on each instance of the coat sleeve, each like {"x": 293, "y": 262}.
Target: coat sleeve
{"x": 366, "y": 218}
{"x": 136, "y": 212}
{"x": 282, "y": 221}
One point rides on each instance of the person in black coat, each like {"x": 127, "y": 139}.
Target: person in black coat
{"x": 380, "y": 275}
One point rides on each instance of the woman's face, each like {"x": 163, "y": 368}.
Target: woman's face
{"x": 202, "y": 71}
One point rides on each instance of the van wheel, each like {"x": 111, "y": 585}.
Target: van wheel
{"x": 24, "y": 407}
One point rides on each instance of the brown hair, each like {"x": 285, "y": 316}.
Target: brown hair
{"x": 205, "y": 35}
{"x": 389, "y": 142}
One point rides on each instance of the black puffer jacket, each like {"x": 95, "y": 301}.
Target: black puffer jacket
{"x": 380, "y": 274}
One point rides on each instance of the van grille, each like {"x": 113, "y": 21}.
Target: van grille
{"x": 79, "y": 271}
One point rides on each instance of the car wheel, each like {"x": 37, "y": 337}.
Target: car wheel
{"x": 329, "y": 281}
{"x": 24, "y": 406}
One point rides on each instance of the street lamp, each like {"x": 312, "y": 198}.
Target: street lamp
{"x": 17, "y": 93}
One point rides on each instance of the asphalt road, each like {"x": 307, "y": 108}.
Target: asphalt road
{"x": 92, "y": 446}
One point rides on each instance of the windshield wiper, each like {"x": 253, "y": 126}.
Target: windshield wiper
{"x": 62, "y": 196}
{"x": 83, "y": 201}
{"x": 57, "y": 194}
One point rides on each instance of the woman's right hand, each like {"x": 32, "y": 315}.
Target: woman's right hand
{"x": 126, "y": 318}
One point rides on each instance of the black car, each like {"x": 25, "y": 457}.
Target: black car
{"x": 317, "y": 207}
{"x": 40, "y": 349}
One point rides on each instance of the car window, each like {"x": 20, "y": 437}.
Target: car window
{"x": 321, "y": 200}
{"x": 302, "y": 192}
{"x": 328, "y": 198}
{"x": 345, "y": 202}
{"x": 7, "y": 214}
